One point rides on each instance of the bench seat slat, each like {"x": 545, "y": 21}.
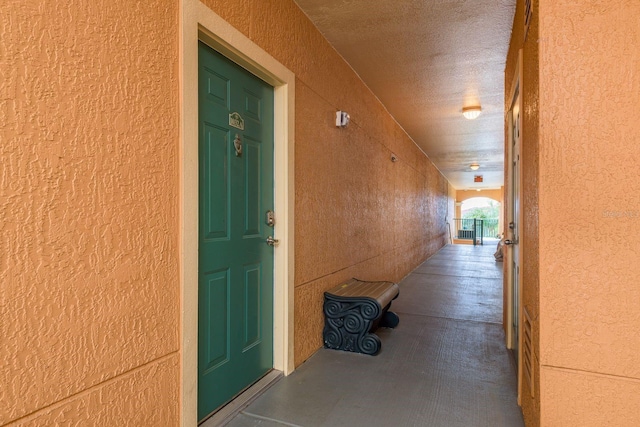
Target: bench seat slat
{"x": 383, "y": 292}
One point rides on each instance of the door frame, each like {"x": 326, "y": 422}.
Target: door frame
{"x": 515, "y": 95}
{"x": 199, "y": 23}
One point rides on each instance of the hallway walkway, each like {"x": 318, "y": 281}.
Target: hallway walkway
{"x": 445, "y": 365}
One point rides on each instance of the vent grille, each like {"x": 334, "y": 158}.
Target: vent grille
{"x": 527, "y": 351}
{"x": 528, "y": 11}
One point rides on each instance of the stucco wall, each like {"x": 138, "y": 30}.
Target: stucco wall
{"x": 357, "y": 214}
{"x": 589, "y": 205}
{"x": 88, "y": 206}
{"x": 89, "y": 200}
{"x": 529, "y": 204}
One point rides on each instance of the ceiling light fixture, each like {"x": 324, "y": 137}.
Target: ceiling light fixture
{"x": 474, "y": 166}
{"x": 471, "y": 112}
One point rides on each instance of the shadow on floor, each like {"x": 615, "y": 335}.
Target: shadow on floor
{"x": 445, "y": 365}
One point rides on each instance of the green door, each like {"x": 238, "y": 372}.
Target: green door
{"x": 235, "y": 263}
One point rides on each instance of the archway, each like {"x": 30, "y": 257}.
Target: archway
{"x": 478, "y": 216}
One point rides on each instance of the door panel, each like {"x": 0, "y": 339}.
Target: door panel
{"x": 235, "y": 308}
{"x": 218, "y": 87}
{"x": 252, "y": 306}
{"x": 216, "y": 289}
{"x": 253, "y": 104}
{"x": 215, "y": 217}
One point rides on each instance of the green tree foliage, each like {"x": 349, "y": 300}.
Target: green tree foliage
{"x": 485, "y": 212}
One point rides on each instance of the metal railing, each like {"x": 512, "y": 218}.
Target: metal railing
{"x": 490, "y": 227}
{"x": 475, "y": 229}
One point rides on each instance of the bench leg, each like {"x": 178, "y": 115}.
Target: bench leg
{"x": 389, "y": 320}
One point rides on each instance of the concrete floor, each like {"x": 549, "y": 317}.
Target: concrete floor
{"x": 444, "y": 365}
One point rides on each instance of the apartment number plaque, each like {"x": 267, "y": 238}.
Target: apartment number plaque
{"x": 236, "y": 121}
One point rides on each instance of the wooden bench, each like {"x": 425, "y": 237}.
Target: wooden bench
{"x": 353, "y": 310}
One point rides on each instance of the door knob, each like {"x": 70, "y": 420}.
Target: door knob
{"x": 272, "y": 242}
{"x": 508, "y": 242}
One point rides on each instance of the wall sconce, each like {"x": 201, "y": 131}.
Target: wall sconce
{"x": 471, "y": 112}
{"x": 342, "y": 119}
{"x": 474, "y": 166}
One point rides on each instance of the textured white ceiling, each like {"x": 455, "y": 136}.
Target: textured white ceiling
{"x": 425, "y": 60}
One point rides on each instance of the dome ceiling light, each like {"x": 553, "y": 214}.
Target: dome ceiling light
{"x": 471, "y": 112}
{"x": 474, "y": 166}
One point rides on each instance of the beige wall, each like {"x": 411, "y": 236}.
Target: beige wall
{"x": 88, "y": 208}
{"x": 90, "y": 200}
{"x": 588, "y": 192}
{"x": 529, "y": 236}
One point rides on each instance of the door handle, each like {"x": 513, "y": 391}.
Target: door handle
{"x": 509, "y": 242}
{"x": 272, "y": 242}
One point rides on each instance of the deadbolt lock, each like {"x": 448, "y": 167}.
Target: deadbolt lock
{"x": 270, "y": 218}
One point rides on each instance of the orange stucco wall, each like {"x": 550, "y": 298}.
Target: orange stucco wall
{"x": 88, "y": 205}
{"x": 529, "y": 235}
{"x": 579, "y": 165}
{"x": 589, "y": 213}
{"x": 89, "y": 200}
{"x": 357, "y": 214}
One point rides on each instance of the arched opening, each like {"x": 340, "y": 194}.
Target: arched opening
{"x": 478, "y": 220}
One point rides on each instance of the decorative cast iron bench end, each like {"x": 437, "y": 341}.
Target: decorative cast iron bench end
{"x": 353, "y": 310}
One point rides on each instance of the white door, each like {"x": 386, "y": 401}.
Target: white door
{"x": 513, "y": 258}
{"x": 513, "y": 235}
